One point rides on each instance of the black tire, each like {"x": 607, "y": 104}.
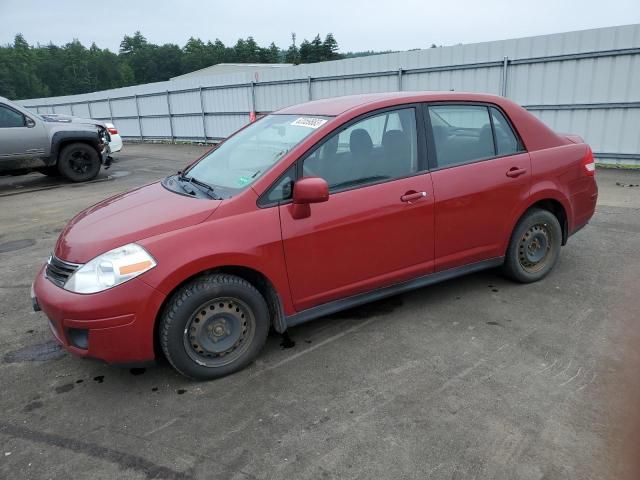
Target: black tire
{"x": 213, "y": 326}
{"x": 534, "y": 247}
{"x": 79, "y": 162}
{"x": 50, "y": 171}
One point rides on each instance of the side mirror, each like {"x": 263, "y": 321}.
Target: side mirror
{"x": 306, "y": 191}
{"x": 29, "y": 122}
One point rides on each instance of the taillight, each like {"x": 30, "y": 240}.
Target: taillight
{"x": 589, "y": 163}
{"x": 113, "y": 131}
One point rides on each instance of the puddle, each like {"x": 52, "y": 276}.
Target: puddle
{"x": 36, "y": 353}
{"x": 31, "y": 406}
{"x": 494, "y": 323}
{"x": 620, "y": 184}
{"x": 99, "y": 379}
{"x": 119, "y": 173}
{"x": 137, "y": 371}
{"x": 67, "y": 387}
{"x": 16, "y": 245}
{"x": 181, "y": 391}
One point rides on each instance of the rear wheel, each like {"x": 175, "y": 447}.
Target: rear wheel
{"x": 79, "y": 162}
{"x": 214, "y": 326}
{"x": 534, "y": 247}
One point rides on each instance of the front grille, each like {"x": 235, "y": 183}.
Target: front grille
{"x": 59, "y": 271}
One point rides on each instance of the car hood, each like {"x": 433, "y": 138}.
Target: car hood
{"x": 129, "y": 217}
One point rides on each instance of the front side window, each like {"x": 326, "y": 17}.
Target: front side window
{"x": 244, "y": 157}
{"x": 461, "y": 133}
{"x": 378, "y": 148}
{"x": 10, "y": 118}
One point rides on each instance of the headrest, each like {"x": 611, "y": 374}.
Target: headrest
{"x": 360, "y": 142}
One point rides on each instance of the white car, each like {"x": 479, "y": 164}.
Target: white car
{"x": 115, "y": 144}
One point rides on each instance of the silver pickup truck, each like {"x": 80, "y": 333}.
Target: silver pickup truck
{"x": 29, "y": 143}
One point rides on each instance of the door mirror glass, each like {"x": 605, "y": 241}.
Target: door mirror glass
{"x": 310, "y": 190}
{"x": 29, "y": 122}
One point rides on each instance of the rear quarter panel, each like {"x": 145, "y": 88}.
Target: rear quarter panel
{"x": 558, "y": 173}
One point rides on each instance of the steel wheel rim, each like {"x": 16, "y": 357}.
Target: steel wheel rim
{"x": 80, "y": 162}
{"x": 219, "y": 332}
{"x": 534, "y": 248}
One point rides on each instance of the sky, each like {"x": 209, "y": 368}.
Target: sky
{"x": 357, "y": 25}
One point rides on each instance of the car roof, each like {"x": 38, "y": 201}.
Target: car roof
{"x": 338, "y": 105}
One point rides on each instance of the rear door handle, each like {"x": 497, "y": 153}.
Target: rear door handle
{"x": 411, "y": 196}
{"x": 514, "y": 172}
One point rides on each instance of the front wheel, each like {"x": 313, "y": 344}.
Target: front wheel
{"x": 534, "y": 247}
{"x": 214, "y": 326}
{"x": 79, "y": 162}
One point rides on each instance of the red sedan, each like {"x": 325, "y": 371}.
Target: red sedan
{"x": 313, "y": 209}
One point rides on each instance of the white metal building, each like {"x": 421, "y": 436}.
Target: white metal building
{"x": 583, "y": 82}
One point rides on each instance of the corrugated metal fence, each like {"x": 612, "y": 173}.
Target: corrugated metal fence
{"x": 582, "y": 82}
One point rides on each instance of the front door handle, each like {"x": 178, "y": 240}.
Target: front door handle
{"x": 411, "y": 196}
{"x": 514, "y": 172}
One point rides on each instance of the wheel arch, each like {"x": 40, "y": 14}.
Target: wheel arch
{"x": 550, "y": 200}
{"x": 255, "y": 277}
{"x": 61, "y": 140}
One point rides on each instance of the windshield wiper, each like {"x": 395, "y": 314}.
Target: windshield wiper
{"x": 202, "y": 186}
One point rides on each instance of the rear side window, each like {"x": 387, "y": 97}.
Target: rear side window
{"x": 10, "y": 118}
{"x": 506, "y": 141}
{"x": 461, "y": 133}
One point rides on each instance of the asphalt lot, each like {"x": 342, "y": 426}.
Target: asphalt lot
{"x": 470, "y": 379}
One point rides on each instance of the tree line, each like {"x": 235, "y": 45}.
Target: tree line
{"x": 28, "y": 71}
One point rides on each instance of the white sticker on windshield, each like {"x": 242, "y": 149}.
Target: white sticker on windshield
{"x": 309, "y": 122}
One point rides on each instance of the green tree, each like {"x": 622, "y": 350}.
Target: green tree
{"x": 330, "y": 48}
{"x": 305, "y": 52}
{"x": 292, "y": 54}
{"x": 27, "y": 71}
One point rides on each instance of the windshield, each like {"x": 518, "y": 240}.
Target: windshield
{"x": 241, "y": 159}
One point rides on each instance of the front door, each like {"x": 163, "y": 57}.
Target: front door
{"x": 20, "y": 139}
{"x": 376, "y": 229}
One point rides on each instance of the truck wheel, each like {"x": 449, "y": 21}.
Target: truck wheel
{"x": 534, "y": 247}
{"x": 213, "y": 326}
{"x": 79, "y": 162}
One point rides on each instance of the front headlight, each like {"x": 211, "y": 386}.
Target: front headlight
{"x": 110, "y": 269}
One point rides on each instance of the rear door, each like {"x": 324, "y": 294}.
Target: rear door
{"x": 377, "y": 227}
{"x": 481, "y": 175}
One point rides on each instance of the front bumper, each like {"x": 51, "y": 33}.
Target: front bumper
{"x": 119, "y": 322}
